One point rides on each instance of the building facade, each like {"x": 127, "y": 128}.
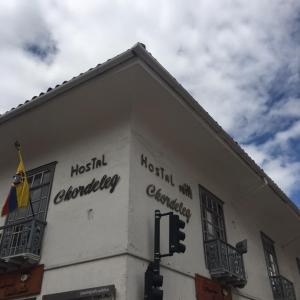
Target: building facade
{"x": 103, "y": 152}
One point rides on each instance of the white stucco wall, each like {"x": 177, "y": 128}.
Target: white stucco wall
{"x": 93, "y": 225}
{"x": 141, "y": 227}
{"x": 156, "y": 135}
{"x": 107, "y": 238}
{"x": 86, "y": 238}
{"x": 88, "y": 275}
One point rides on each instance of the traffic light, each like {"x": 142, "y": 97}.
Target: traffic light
{"x": 176, "y": 235}
{"x": 153, "y": 282}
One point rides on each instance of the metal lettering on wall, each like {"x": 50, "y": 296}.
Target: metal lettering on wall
{"x": 94, "y": 163}
{"x": 158, "y": 171}
{"x": 106, "y": 182}
{"x": 165, "y": 176}
{"x": 22, "y": 283}
{"x": 173, "y": 204}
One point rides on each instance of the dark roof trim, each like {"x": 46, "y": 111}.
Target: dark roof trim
{"x": 139, "y": 51}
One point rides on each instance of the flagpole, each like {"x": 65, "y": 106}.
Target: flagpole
{"x": 18, "y": 147}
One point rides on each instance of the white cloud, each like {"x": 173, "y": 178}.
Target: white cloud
{"x": 278, "y": 158}
{"x": 290, "y": 107}
{"x": 285, "y": 174}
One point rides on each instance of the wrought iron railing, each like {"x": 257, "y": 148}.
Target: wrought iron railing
{"x": 22, "y": 238}
{"x": 283, "y": 289}
{"x": 225, "y": 263}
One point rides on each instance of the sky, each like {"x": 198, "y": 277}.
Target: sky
{"x": 239, "y": 59}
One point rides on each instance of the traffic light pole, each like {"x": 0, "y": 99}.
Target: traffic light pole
{"x": 153, "y": 279}
{"x": 156, "y": 261}
{"x": 157, "y": 255}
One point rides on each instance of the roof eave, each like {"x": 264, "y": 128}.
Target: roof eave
{"x": 75, "y": 81}
{"x": 195, "y": 106}
{"x": 138, "y": 50}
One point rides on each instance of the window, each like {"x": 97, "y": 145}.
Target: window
{"x": 270, "y": 255}
{"x": 212, "y": 216}
{"x": 282, "y": 288}
{"x": 224, "y": 262}
{"x": 15, "y": 238}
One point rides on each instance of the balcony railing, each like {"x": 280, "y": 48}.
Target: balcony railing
{"x": 225, "y": 263}
{"x": 21, "y": 243}
{"x": 283, "y": 289}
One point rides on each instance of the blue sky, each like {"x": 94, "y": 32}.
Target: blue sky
{"x": 239, "y": 59}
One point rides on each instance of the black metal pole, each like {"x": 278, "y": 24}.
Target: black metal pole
{"x": 18, "y": 147}
{"x": 157, "y": 242}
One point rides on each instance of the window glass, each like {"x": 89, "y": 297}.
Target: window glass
{"x": 212, "y": 217}
{"x": 36, "y": 179}
{"x": 46, "y": 177}
{"x": 35, "y": 194}
{"x": 271, "y": 259}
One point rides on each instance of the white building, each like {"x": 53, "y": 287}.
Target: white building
{"x": 103, "y": 152}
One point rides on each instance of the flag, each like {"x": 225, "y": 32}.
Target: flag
{"x": 18, "y": 195}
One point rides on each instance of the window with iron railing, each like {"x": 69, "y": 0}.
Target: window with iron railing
{"x": 24, "y": 227}
{"x": 224, "y": 261}
{"x": 270, "y": 255}
{"x": 282, "y": 288}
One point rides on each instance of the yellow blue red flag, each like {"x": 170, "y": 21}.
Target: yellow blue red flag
{"x": 19, "y": 195}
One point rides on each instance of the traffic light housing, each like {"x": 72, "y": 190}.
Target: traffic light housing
{"x": 153, "y": 282}
{"x": 176, "y": 235}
